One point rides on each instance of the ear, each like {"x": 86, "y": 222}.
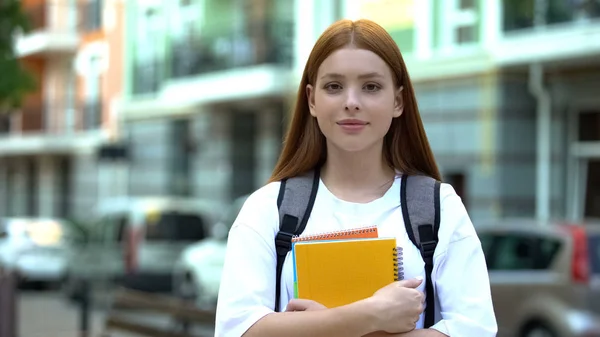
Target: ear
{"x": 310, "y": 95}
{"x": 398, "y": 103}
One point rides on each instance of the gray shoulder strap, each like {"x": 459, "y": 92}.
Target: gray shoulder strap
{"x": 420, "y": 202}
{"x": 295, "y": 201}
{"x": 420, "y": 196}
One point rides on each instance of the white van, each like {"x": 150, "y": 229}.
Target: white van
{"x": 135, "y": 242}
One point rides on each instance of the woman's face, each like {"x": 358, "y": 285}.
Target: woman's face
{"x": 354, "y": 100}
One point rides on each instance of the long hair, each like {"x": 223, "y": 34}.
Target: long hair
{"x": 406, "y": 147}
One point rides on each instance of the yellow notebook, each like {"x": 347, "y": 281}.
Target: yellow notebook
{"x": 340, "y": 272}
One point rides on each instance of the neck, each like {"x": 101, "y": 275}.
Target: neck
{"x": 357, "y": 176}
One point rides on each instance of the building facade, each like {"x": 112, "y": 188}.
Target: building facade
{"x": 209, "y": 84}
{"x": 511, "y": 116}
{"x": 49, "y": 148}
{"x": 508, "y": 92}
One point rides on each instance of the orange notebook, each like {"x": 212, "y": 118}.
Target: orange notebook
{"x": 340, "y": 272}
{"x": 357, "y": 233}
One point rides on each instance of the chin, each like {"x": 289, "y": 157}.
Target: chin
{"x": 351, "y": 146}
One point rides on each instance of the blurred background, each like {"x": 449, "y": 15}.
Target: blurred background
{"x": 132, "y": 130}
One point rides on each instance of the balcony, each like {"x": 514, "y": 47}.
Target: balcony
{"x": 531, "y": 30}
{"x": 53, "y": 30}
{"x": 530, "y": 14}
{"x": 147, "y": 77}
{"x": 215, "y": 65}
{"x": 215, "y": 49}
{"x": 57, "y": 117}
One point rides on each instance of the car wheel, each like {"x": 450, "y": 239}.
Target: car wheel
{"x": 538, "y": 330}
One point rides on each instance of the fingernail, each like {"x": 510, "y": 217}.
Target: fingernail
{"x": 420, "y": 278}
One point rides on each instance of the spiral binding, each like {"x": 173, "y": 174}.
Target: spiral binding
{"x": 336, "y": 234}
{"x": 398, "y": 264}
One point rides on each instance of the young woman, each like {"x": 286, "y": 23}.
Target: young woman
{"x": 356, "y": 120}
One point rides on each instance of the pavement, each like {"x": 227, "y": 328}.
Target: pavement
{"x": 47, "y": 314}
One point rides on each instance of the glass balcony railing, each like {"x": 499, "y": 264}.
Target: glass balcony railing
{"x": 147, "y": 77}
{"x": 256, "y": 43}
{"x": 63, "y": 17}
{"x": 54, "y": 17}
{"x": 527, "y": 14}
{"x": 56, "y": 117}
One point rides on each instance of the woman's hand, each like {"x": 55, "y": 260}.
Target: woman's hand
{"x": 304, "y": 305}
{"x": 398, "y": 306}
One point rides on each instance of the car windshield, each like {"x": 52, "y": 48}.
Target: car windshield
{"x": 594, "y": 249}
{"x": 173, "y": 226}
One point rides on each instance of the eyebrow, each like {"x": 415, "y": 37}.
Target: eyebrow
{"x": 361, "y": 76}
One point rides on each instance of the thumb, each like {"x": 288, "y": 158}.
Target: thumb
{"x": 411, "y": 283}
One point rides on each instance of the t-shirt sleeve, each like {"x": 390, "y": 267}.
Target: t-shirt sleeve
{"x": 246, "y": 292}
{"x": 460, "y": 275}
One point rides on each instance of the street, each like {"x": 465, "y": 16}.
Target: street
{"x": 46, "y": 314}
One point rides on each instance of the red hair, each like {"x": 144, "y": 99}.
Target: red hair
{"x": 406, "y": 147}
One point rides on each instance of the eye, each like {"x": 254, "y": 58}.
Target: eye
{"x": 371, "y": 87}
{"x": 332, "y": 87}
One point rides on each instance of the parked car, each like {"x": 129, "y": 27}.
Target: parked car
{"x": 197, "y": 273}
{"x": 35, "y": 248}
{"x": 545, "y": 278}
{"x": 135, "y": 242}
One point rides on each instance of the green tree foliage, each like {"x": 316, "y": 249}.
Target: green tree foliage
{"x": 15, "y": 80}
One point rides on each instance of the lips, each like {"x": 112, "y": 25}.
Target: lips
{"x": 352, "y": 122}
{"x": 352, "y": 126}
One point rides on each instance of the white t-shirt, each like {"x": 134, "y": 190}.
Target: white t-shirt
{"x": 247, "y": 290}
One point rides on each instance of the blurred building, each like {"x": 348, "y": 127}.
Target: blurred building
{"x": 208, "y": 86}
{"x": 49, "y": 150}
{"x": 509, "y": 94}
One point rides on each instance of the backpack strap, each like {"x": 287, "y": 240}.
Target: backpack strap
{"x": 420, "y": 202}
{"x": 295, "y": 202}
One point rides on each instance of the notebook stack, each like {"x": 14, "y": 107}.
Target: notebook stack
{"x": 343, "y": 267}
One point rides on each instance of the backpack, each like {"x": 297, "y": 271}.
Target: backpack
{"x": 420, "y": 202}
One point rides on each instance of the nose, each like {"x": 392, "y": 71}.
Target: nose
{"x": 352, "y": 103}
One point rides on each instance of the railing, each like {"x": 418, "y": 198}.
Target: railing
{"x": 523, "y": 14}
{"x": 147, "y": 77}
{"x": 61, "y": 17}
{"x": 59, "y": 117}
{"x": 33, "y": 118}
{"x": 121, "y": 316}
{"x": 216, "y": 48}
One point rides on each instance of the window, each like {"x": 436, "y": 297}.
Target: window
{"x": 486, "y": 244}
{"x": 466, "y": 34}
{"x": 466, "y": 4}
{"x": 460, "y": 23}
{"x": 592, "y": 193}
{"x": 457, "y": 180}
{"x": 514, "y": 252}
{"x": 589, "y": 126}
{"x": 594, "y": 249}
{"x": 181, "y": 161}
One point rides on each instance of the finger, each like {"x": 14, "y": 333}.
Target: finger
{"x": 296, "y": 305}
{"x": 411, "y": 283}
